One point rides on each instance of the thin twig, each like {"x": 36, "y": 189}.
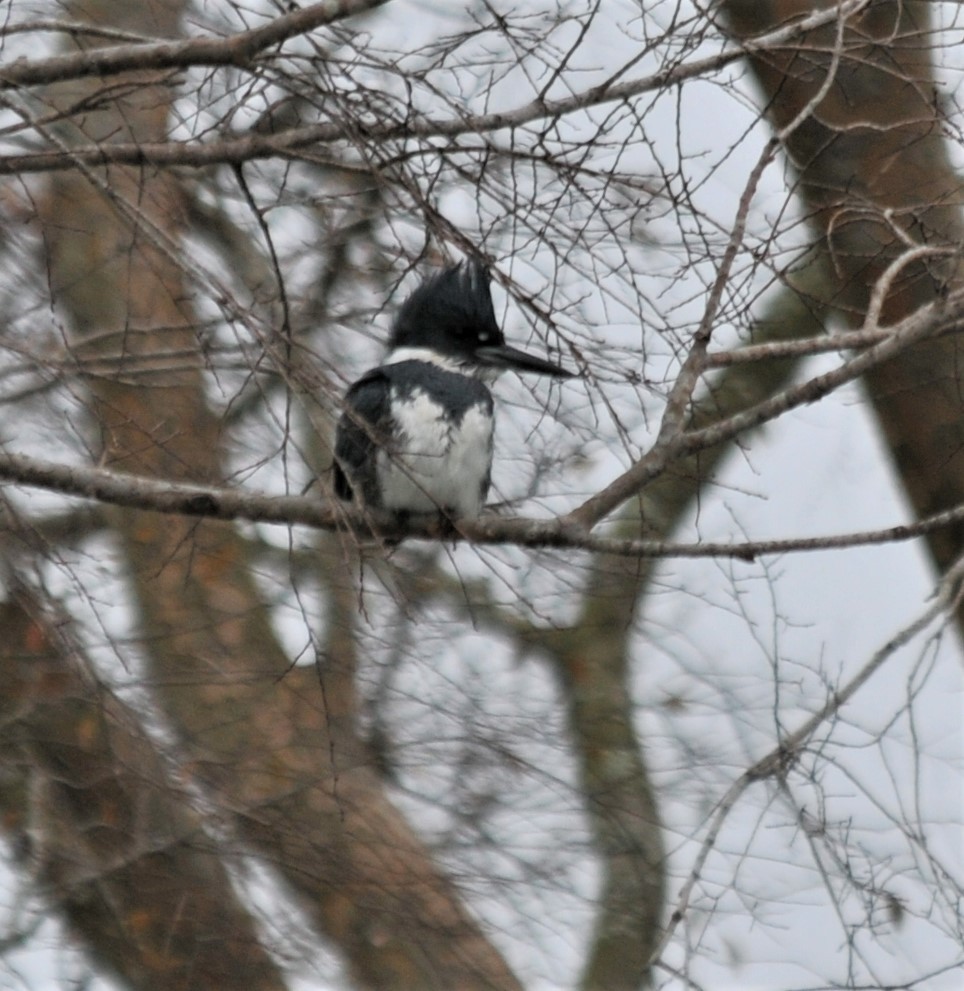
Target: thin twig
{"x": 253, "y": 146}
{"x": 776, "y": 762}
{"x": 924, "y": 322}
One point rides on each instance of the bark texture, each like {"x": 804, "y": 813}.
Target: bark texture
{"x": 875, "y": 174}
{"x": 96, "y": 815}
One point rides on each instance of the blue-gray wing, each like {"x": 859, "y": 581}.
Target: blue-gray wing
{"x": 365, "y": 425}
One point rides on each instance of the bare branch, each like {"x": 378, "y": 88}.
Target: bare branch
{"x": 779, "y": 760}
{"x": 924, "y": 323}
{"x": 775, "y": 350}
{"x": 237, "y": 49}
{"x": 177, "y": 498}
{"x": 252, "y": 146}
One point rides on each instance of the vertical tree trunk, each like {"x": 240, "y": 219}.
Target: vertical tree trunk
{"x": 96, "y": 816}
{"x": 258, "y": 732}
{"x": 876, "y": 176}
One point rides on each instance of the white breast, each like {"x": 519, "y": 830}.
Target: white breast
{"x": 436, "y": 464}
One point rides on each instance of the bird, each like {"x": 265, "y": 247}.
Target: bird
{"x": 416, "y": 432}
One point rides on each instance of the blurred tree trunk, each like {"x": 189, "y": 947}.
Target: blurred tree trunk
{"x": 597, "y": 658}
{"x": 93, "y": 812}
{"x": 875, "y": 172}
{"x": 279, "y": 753}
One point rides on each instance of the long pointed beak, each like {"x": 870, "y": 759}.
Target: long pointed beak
{"x": 503, "y": 356}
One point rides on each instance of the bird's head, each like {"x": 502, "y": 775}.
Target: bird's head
{"x": 451, "y": 314}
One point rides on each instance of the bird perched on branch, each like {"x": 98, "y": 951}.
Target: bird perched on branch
{"x": 416, "y": 432}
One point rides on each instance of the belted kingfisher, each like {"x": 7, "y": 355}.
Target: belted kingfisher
{"x": 416, "y": 432}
